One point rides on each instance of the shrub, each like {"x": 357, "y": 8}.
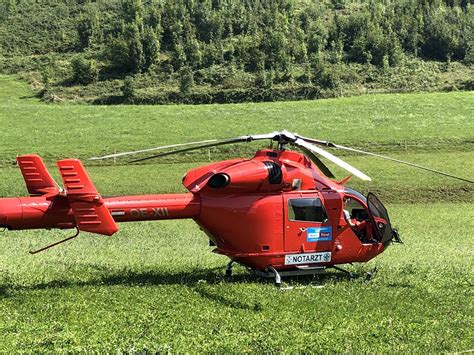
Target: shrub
{"x": 186, "y": 80}
{"x": 46, "y": 79}
{"x": 128, "y": 88}
{"x": 84, "y": 71}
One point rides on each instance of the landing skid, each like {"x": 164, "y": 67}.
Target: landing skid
{"x": 270, "y": 272}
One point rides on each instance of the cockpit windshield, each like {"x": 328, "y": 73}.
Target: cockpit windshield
{"x": 355, "y": 193}
{"x": 380, "y": 216}
{"x": 373, "y": 211}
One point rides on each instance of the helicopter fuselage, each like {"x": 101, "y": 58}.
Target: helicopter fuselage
{"x": 275, "y": 209}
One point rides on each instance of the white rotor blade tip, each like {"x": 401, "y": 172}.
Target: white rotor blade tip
{"x": 334, "y": 159}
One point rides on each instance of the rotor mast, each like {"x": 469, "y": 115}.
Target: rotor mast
{"x": 283, "y": 138}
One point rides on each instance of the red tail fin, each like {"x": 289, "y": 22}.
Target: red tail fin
{"x": 37, "y": 177}
{"x": 87, "y": 205}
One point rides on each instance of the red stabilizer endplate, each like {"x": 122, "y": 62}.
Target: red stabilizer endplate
{"x": 37, "y": 177}
{"x": 87, "y": 205}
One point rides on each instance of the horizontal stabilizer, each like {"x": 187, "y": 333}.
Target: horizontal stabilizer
{"x": 88, "y": 207}
{"x": 37, "y": 177}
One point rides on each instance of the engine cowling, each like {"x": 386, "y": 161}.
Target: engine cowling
{"x": 241, "y": 177}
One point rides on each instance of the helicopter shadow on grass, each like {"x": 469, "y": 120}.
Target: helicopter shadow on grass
{"x": 126, "y": 277}
{"x": 199, "y": 280}
{"x": 104, "y": 276}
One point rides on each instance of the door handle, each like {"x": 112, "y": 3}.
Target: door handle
{"x": 303, "y": 229}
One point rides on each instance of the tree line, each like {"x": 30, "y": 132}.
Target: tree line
{"x": 274, "y": 35}
{"x": 277, "y": 41}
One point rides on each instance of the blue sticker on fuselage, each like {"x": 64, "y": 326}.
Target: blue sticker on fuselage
{"x": 319, "y": 234}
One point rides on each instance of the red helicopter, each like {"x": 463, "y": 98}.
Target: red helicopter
{"x": 278, "y": 213}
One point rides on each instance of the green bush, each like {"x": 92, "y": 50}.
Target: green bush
{"x": 186, "y": 80}
{"x": 128, "y": 89}
{"x": 301, "y": 92}
{"x": 84, "y": 71}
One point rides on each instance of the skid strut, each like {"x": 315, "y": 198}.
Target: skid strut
{"x": 370, "y": 274}
{"x": 228, "y": 269}
{"x": 277, "y": 275}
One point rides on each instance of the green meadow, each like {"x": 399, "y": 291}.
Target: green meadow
{"x": 156, "y": 286}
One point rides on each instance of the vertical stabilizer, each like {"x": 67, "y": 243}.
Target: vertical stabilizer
{"x": 88, "y": 207}
{"x": 37, "y": 177}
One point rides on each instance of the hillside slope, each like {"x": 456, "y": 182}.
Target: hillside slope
{"x": 159, "y": 52}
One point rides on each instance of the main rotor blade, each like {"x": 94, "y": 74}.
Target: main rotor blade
{"x": 301, "y": 143}
{"x": 213, "y": 144}
{"x": 199, "y": 145}
{"x": 403, "y": 162}
{"x": 116, "y": 155}
{"x": 332, "y": 145}
{"x": 316, "y": 141}
{"x": 324, "y": 169}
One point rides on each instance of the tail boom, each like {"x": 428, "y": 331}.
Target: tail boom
{"x": 154, "y": 207}
{"x": 57, "y": 212}
{"x": 80, "y": 205}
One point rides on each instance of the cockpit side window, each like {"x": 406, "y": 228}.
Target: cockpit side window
{"x": 355, "y": 208}
{"x": 306, "y": 209}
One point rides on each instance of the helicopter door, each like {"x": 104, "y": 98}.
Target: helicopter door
{"x": 307, "y": 226}
{"x": 381, "y": 221}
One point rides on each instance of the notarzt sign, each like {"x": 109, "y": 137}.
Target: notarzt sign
{"x": 307, "y": 258}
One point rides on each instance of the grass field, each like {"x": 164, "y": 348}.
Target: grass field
{"x": 156, "y": 286}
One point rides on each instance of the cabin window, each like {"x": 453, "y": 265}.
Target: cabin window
{"x": 306, "y": 209}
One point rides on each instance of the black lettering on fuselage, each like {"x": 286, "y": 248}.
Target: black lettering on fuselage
{"x": 149, "y": 213}
{"x": 134, "y": 213}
